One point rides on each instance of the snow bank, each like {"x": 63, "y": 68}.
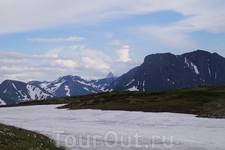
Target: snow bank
{"x": 118, "y": 130}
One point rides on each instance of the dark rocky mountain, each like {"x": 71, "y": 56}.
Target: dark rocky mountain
{"x": 168, "y": 71}
{"x": 12, "y": 92}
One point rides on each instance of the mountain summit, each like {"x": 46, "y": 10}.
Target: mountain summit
{"x": 110, "y": 75}
{"x": 168, "y": 71}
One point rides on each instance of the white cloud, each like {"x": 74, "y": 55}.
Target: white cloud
{"x": 170, "y": 36}
{"x": 69, "y": 60}
{"x": 53, "y": 53}
{"x": 65, "y": 63}
{"x": 13, "y": 55}
{"x": 199, "y": 15}
{"x": 15, "y": 17}
{"x": 69, "y": 39}
{"x": 93, "y": 64}
{"x": 96, "y": 60}
{"x": 123, "y": 54}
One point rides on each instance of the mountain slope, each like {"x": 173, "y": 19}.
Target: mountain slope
{"x": 13, "y": 92}
{"x": 168, "y": 71}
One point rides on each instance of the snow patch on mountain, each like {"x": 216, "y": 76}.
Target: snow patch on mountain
{"x": 209, "y": 71}
{"x": 192, "y": 66}
{"x": 2, "y": 102}
{"x": 44, "y": 85}
{"x": 23, "y": 95}
{"x": 133, "y": 89}
{"x": 86, "y": 88}
{"x": 5, "y": 91}
{"x": 36, "y": 93}
{"x": 130, "y": 82}
{"x": 67, "y": 90}
{"x": 14, "y": 86}
{"x": 195, "y": 68}
{"x": 186, "y": 61}
{"x": 84, "y": 83}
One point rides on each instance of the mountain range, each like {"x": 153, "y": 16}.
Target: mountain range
{"x": 13, "y": 92}
{"x": 157, "y": 72}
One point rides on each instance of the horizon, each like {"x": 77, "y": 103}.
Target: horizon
{"x": 46, "y": 40}
{"x": 105, "y": 75}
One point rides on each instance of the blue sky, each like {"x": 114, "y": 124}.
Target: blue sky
{"x": 46, "y": 39}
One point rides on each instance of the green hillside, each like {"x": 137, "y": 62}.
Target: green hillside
{"x": 12, "y": 138}
{"x": 204, "y": 101}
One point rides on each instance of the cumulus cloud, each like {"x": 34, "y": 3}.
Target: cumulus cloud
{"x": 53, "y": 53}
{"x": 64, "y": 63}
{"x": 93, "y": 64}
{"x": 58, "y": 40}
{"x": 123, "y": 54}
{"x": 69, "y": 60}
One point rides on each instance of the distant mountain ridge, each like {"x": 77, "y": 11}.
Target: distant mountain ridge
{"x": 13, "y": 92}
{"x": 168, "y": 71}
{"x": 157, "y": 72}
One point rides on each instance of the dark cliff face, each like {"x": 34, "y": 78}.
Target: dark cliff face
{"x": 168, "y": 71}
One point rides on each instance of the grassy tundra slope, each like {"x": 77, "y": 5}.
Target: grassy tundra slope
{"x": 12, "y": 138}
{"x": 204, "y": 101}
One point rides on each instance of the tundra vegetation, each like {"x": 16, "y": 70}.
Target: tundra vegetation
{"x": 203, "y": 101}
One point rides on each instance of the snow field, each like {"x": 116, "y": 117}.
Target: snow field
{"x": 118, "y": 130}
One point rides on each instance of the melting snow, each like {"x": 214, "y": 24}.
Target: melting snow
{"x": 82, "y": 82}
{"x": 58, "y": 84}
{"x": 67, "y": 90}
{"x": 55, "y": 87}
{"x": 36, "y": 93}
{"x": 133, "y": 89}
{"x": 190, "y": 64}
{"x": 44, "y": 85}
{"x": 14, "y": 86}
{"x": 5, "y": 91}
{"x": 186, "y": 61}
{"x": 209, "y": 71}
{"x": 86, "y": 88}
{"x": 113, "y": 128}
{"x": 195, "y": 68}
{"x": 130, "y": 82}
{"x": 23, "y": 95}
{"x": 2, "y": 102}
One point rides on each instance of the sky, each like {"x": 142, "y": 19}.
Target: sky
{"x": 45, "y": 39}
